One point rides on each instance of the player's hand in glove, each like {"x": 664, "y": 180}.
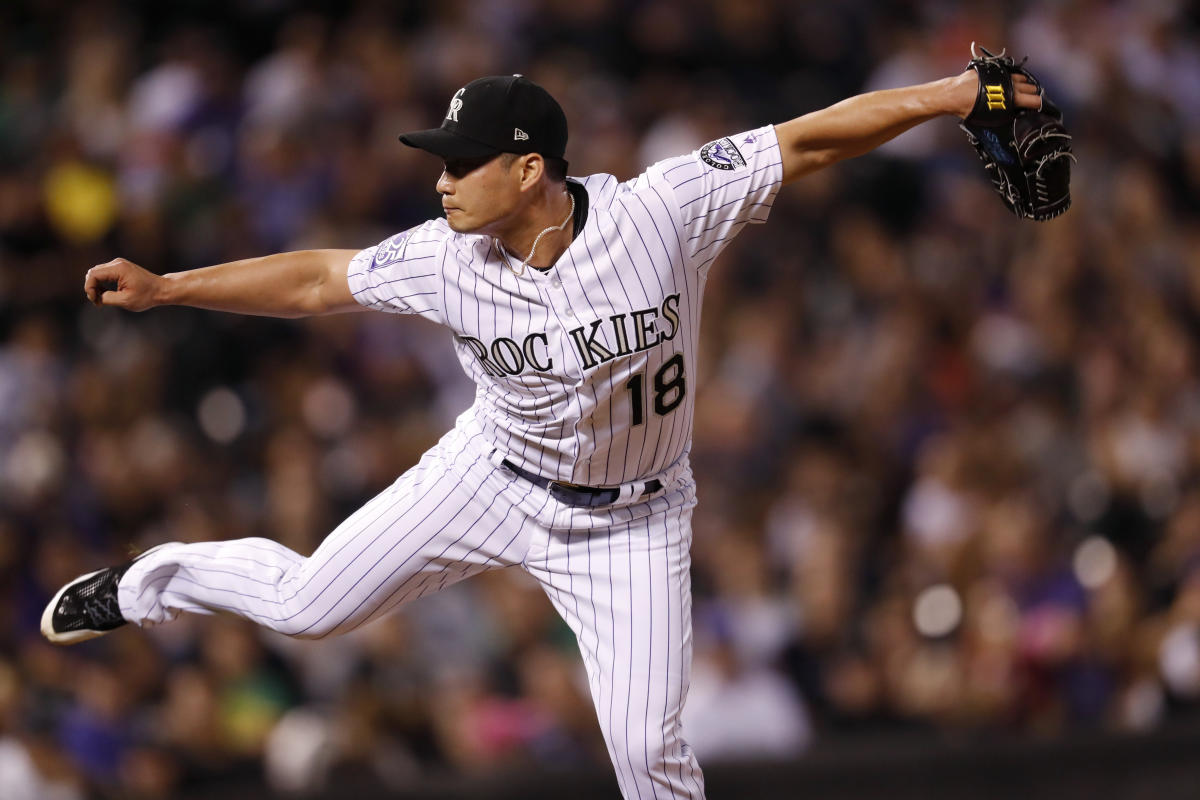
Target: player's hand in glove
{"x": 123, "y": 284}
{"x": 1019, "y": 136}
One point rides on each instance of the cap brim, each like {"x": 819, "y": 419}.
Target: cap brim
{"x": 447, "y": 144}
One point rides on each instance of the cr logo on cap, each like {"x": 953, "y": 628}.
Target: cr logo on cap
{"x": 455, "y": 105}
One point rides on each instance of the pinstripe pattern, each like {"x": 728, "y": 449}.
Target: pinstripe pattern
{"x": 585, "y": 373}
{"x": 621, "y": 582}
{"x": 644, "y": 241}
{"x": 434, "y": 517}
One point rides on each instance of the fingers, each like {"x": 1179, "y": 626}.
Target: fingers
{"x": 1028, "y": 98}
{"x": 95, "y": 277}
{"x": 102, "y": 283}
{"x": 115, "y": 298}
{"x": 1023, "y": 85}
{"x": 1026, "y": 94}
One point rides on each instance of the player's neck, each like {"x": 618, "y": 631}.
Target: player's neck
{"x": 548, "y": 217}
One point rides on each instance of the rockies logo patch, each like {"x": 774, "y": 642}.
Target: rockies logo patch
{"x": 389, "y": 250}
{"x": 722, "y": 154}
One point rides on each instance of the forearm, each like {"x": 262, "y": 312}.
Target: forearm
{"x": 859, "y": 124}
{"x": 297, "y": 284}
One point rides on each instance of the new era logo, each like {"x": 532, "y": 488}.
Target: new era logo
{"x": 519, "y": 135}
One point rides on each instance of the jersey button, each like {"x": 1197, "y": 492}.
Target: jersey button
{"x": 556, "y": 283}
{"x": 571, "y": 313}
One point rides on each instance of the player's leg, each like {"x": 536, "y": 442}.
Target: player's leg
{"x": 447, "y": 518}
{"x": 621, "y": 581}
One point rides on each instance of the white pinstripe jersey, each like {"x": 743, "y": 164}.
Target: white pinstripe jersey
{"x": 585, "y": 372}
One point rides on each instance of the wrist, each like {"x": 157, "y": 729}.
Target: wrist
{"x": 166, "y": 289}
{"x": 957, "y": 95}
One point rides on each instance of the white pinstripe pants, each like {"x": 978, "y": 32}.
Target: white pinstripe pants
{"x": 618, "y": 575}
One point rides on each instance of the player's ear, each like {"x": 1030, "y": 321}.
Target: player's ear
{"x": 533, "y": 167}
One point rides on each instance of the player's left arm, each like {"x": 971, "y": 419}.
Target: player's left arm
{"x": 861, "y": 123}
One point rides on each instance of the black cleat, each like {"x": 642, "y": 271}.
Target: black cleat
{"x": 86, "y": 607}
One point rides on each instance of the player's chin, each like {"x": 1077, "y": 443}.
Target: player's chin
{"x": 459, "y": 221}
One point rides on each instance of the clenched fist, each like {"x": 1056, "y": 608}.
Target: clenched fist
{"x": 123, "y": 284}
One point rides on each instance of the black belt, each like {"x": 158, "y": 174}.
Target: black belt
{"x": 572, "y": 495}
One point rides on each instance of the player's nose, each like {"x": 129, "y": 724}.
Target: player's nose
{"x": 445, "y": 183}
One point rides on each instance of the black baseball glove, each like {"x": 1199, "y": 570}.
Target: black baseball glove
{"x": 1026, "y": 152}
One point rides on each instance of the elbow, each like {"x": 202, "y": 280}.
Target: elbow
{"x": 828, "y": 157}
{"x": 313, "y": 295}
{"x": 805, "y": 161}
{"x": 305, "y": 302}
{"x": 330, "y": 290}
{"x": 314, "y": 305}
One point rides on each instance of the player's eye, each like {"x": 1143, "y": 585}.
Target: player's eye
{"x": 458, "y": 167}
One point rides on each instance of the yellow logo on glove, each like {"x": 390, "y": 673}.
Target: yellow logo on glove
{"x": 994, "y": 94}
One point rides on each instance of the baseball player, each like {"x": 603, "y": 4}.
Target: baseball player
{"x": 575, "y": 308}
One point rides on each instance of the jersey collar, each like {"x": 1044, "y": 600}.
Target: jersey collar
{"x": 580, "y": 194}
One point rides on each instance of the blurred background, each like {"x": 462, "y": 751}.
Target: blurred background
{"x": 949, "y": 462}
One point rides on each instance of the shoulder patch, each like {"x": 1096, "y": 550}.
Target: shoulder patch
{"x": 390, "y": 250}
{"x": 722, "y": 154}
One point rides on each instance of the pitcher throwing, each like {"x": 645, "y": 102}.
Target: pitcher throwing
{"x": 575, "y": 308}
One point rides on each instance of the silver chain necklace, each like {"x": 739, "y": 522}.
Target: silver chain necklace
{"x": 536, "y": 241}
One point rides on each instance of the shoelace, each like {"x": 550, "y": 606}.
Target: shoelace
{"x": 102, "y": 609}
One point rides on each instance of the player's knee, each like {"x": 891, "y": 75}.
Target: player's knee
{"x": 301, "y": 626}
{"x": 300, "y": 613}
{"x": 644, "y": 752}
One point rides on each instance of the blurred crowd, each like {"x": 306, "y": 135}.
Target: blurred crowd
{"x": 949, "y": 462}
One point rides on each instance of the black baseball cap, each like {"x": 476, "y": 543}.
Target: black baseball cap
{"x": 497, "y": 114}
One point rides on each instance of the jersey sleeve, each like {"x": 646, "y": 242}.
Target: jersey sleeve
{"x": 401, "y": 274}
{"x": 721, "y": 187}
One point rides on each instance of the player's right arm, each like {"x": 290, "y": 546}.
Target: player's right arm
{"x": 298, "y": 284}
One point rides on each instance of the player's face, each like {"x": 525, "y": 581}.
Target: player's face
{"x": 479, "y": 194}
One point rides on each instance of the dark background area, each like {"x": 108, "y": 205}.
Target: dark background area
{"x": 949, "y": 525}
